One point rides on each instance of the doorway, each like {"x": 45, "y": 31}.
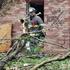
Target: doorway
{"x": 39, "y": 8}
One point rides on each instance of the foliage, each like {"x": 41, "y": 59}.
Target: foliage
{"x": 57, "y": 65}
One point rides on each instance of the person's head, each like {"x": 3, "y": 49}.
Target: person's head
{"x": 32, "y": 11}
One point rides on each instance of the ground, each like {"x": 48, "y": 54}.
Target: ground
{"x": 25, "y": 63}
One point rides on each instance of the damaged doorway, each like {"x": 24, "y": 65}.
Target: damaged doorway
{"x": 39, "y": 8}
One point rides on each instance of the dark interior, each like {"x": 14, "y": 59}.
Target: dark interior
{"x": 39, "y": 8}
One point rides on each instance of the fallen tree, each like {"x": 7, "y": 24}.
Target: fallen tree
{"x": 12, "y": 53}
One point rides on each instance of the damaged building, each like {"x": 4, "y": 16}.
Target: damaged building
{"x": 56, "y": 16}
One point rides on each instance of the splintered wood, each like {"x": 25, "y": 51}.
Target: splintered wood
{"x": 5, "y": 37}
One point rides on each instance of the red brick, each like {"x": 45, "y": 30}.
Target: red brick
{"x": 61, "y": 33}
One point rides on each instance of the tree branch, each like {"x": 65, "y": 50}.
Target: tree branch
{"x": 57, "y": 58}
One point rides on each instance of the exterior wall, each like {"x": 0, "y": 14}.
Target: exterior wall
{"x": 57, "y": 19}
{"x": 12, "y": 16}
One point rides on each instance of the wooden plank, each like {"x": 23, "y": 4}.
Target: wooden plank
{"x": 5, "y": 33}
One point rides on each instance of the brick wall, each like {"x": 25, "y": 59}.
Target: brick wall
{"x": 13, "y": 15}
{"x": 57, "y": 19}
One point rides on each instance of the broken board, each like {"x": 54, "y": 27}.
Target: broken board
{"x": 5, "y": 37}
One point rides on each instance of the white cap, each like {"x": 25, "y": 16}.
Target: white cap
{"x": 31, "y": 9}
